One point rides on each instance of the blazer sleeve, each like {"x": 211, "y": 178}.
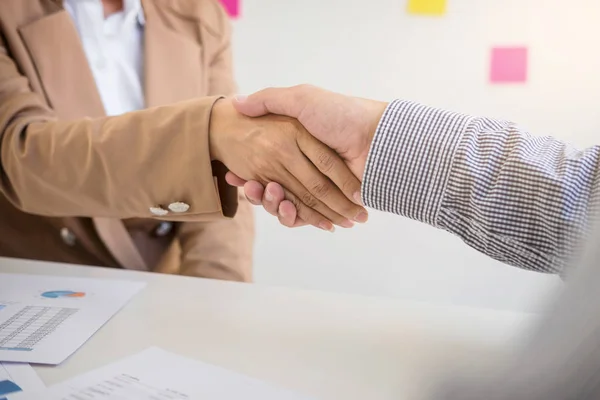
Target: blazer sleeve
{"x": 220, "y": 249}
{"x": 103, "y": 167}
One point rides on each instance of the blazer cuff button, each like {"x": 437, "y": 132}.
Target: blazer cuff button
{"x": 179, "y": 207}
{"x": 158, "y": 211}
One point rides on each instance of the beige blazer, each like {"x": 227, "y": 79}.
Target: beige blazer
{"x": 63, "y": 161}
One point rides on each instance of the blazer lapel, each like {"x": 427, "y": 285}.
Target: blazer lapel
{"x": 173, "y": 71}
{"x": 64, "y": 73}
{"x": 173, "y": 65}
{"x": 71, "y": 91}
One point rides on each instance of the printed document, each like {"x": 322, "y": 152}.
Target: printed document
{"x": 15, "y": 378}
{"x": 156, "y": 374}
{"x": 45, "y": 319}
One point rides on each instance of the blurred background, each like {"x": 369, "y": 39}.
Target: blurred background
{"x": 376, "y": 49}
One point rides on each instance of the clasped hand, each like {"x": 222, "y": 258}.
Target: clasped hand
{"x": 278, "y": 149}
{"x": 306, "y": 145}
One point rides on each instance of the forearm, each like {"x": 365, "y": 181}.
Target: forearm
{"x": 520, "y": 199}
{"x": 115, "y": 167}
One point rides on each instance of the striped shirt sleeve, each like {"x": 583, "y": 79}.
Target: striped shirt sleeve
{"x": 521, "y": 199}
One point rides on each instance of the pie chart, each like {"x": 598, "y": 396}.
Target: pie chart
{"x": 55, "y": 294}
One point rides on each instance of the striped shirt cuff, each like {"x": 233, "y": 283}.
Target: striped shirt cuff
{"x": 410, "y": 160}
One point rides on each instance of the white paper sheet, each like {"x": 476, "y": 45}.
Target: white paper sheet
{"x": 45, "y": 319}
{"x": 155, "y": 374}
{"x": 16, "y": 378}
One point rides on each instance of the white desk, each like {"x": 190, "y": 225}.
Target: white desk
{"x": 326, "y": 345}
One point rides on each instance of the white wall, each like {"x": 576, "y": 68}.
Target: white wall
{"x": 374, "y": 49}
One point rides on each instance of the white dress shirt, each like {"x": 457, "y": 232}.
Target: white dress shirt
{"x": 114, "y": 50}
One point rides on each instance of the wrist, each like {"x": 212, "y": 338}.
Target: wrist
{"x": 374, "y": 114}
{"x": 216, "y": 129}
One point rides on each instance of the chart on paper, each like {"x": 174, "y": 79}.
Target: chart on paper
{"x": 44, "y": 319}
{"x": 25, "y": 329}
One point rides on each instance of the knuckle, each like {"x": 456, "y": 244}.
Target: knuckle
{"x": 350, "y": 211}
{"x": 336, "y": 219}
{"x": 296, "y": 202}
{"x": 326, "y": 162}
{"x": 300, "y": 87}
{"x": 303, "y": 87}
{"x": 308, "y": 215}
{"x": 320, "y": 189}
{"x": 309, "y": 200}
{"x": 350, "y": 185}
{"x": 302, "y": 91}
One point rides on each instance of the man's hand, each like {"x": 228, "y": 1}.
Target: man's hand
{"x": 346, "y": 124}
{"x": 273, "y": 148}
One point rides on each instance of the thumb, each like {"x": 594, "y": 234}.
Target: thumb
{"x": 250, "y": 108}
{"x": 281, "y": 101}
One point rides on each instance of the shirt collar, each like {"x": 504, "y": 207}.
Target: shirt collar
{"x": 128, "y": 6}
{"x": 135, "y": 6}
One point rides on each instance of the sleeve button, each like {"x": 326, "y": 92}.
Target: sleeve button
{"x": 179, "y": 207}
{"x": 158, "y": 211}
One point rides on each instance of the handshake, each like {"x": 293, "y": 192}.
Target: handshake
{"x": 299, "y": 151}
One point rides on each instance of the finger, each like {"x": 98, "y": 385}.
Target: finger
{"x": 307, "y": 215}
{"x": 282, "y": 101}
{"x": 274, "y": 203}
{"x": 272, "y": 197}
{"x": 288, "y": 215}
{"x": 304, "y": 168}
{"x": 234, "y": 180}
{"x": 321, "y": 193}
{"x": 345, "y": 195}
{"x": 254, "y": 192}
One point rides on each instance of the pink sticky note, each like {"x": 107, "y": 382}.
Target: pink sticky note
{"x": 232, "y": 7}
{"x": 508, "y": 65}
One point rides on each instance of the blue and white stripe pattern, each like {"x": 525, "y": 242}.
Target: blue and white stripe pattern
{"x": 524, "y": 200}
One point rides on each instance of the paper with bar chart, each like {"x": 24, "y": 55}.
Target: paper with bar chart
{"x": 18, "y": 378}
{"x": 156, "y": 374}
{"x": 44, "y": 319}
